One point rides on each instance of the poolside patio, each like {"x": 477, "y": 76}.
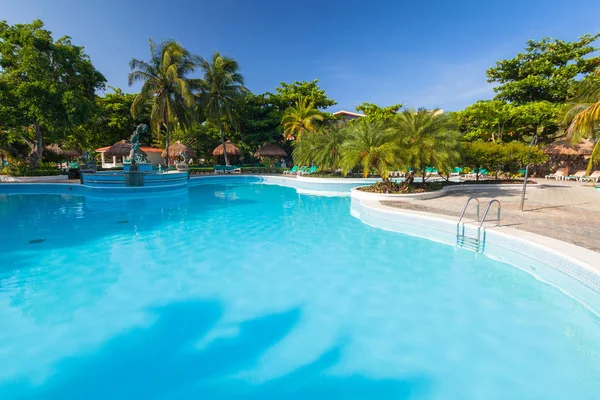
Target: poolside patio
{"x": 562, "y": 210}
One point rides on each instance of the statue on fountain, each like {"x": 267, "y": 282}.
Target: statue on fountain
{"x": 135, "y": 155}
{"x": 183, "y": 166}
{"x": 88, "y": 165}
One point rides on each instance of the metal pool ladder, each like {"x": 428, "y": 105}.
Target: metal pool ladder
{"x": 474, "y": 243}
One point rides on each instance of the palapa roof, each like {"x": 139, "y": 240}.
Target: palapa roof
{"x": 270, "y": 150}
{"x": 231, "y": 148}
{"x": 564, "y": 147}
{"x": 176, "y": 148}
{"x": 56, "y": 149}
{"x": 125, "y": 146}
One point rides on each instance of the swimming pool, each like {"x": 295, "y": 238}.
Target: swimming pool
{"x": 247, "y": 290}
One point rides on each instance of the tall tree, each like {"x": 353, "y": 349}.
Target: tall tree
{"x": 583, "y": 115}
{"x": 300, "y": 118}
{"x": 46, "y": 86}
{"x": 220, "y": 88}
{"x": 288, "y": 94}
{"x": 546, "y": 71}
{"x": 431, "y": 138}
{"x": 165, "y": 87}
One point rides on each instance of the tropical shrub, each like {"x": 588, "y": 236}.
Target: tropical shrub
{"x": 430, "y": 139}
{"x": 373, "y": 146}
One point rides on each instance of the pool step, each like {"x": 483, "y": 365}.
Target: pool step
{"x": 468, "y": 243}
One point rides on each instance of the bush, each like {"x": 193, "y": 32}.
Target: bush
{"x": 22, "y": 169}
{"x": 201, "y": 170}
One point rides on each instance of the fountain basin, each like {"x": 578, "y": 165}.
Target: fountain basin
{"x": 139, "y": 179}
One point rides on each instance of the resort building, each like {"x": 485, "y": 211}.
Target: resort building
{"x": 347, "y": 115}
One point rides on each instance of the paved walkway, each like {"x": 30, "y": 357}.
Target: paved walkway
{"x": 567, "y": 211}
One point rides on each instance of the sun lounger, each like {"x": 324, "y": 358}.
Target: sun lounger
{"x": 594, "y": 177}
{"x": 576, "y": 176}
{"x": 558, "y": 175}
{"x": 312, "y": 170}
{"x": 291, "y": 171}
{"x": 480, "y": 171}
{"x": 219, "y": 169}
{"x": 456, "y": 171}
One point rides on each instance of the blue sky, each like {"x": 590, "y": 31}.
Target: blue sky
{"x": 429, "y": 54}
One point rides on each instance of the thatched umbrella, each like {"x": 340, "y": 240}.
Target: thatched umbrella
{"x": 231, "y": 149}
{"x": 565, "y": 147}
{"x": 177, "y": 148}
{"x": 565, "y": 150}
{"x": 55, "y": 148}
{"x": 270, "y": 150}
{"x": 120, "y": 149}
{"x": 68, "y": 154}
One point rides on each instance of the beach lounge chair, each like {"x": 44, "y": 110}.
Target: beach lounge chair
{"x": 293, "y": 170}
{"x": 480, "y": 171}
{"x": 576, "y": 176}
{"x": 558, "y": 175}
{"x": 594, "y": 177}
{"x": 301, "y": 170}
{"x": 312, "y": 170}
{"x": 219, "y": 169}
{"x": 456, "y": 171}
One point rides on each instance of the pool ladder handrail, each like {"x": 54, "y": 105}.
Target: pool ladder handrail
{"x": 462, "y": 214}
{"x": 477, "y": 240}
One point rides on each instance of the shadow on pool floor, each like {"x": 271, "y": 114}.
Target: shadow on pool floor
{"x": 160, "y": 362}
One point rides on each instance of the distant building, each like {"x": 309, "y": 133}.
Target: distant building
{"x": 347, "y": 115}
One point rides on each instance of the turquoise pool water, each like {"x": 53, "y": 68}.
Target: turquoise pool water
{"x": 257, "y": 292}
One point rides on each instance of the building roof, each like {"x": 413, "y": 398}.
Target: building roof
{"x": 350, "y": 113}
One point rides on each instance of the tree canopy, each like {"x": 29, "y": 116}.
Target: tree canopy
{"x": 48, "y": 87}
{"x": 546, "y": 71}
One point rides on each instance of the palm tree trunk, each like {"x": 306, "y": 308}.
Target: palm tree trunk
{"x": 223, "y": 143}
{"x": 167, "y": 139}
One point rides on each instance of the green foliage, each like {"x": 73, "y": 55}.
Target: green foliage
{"x": 373, "y": 112}
{"x": 300, "y": 119}
{"x": 373, "y": 146}
{"x": 288, "y": 94}
{"x": 582, "y": 115}
{"x": 221, "y": 87}
{"x": 430, "y": 139}
{"x": 259, "y": 121}
{"x": 111, "y": 122}
{"x": 500, "y": 157}
{"x": 46, "y": 84}
{"x": 546, "y": 71}
{"x": 322, "y": 148}
{"x": 496, "y": 120}
{"x": 486, "y": 119}
{"x": 24, "y": 169}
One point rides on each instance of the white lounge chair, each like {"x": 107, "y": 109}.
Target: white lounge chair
{"x": 576, "y": 176}
{"x": 594, "y": 177}
{"x": 558, "y": 175}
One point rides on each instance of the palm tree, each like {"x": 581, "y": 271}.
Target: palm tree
{"x": 166, "y": 87}
{"x": 583, "y": 115}
{"x": 329, "y": 147}
{"x": 220, "y": 88}
{"x": 374, "y": 146}
{"x": 300, "y": 118}
{"x": 305, "y": 150}
{"x": 430, "y": 138}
